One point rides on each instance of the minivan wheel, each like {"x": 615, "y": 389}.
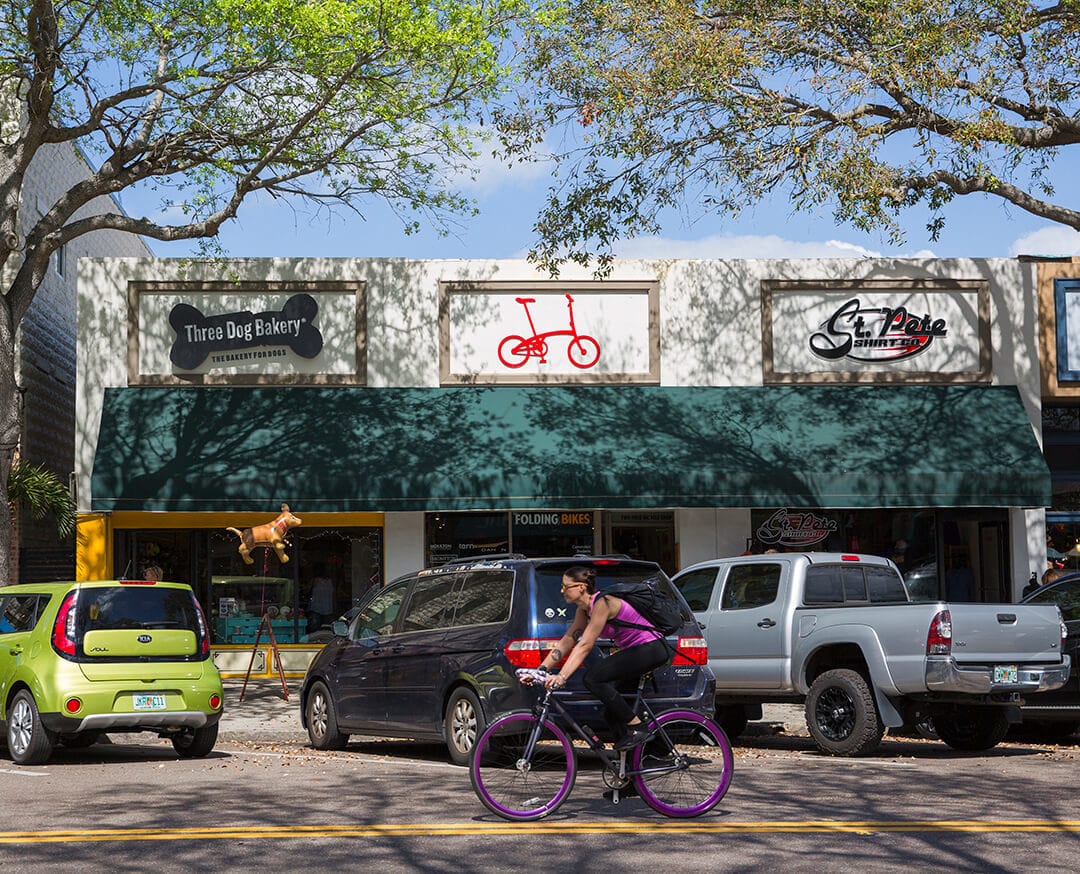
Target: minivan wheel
{"x": 322, "y": 720}
{"x": 971, "y": 729}
{"x": 196, "y": 742}
{"x": 732, "y": 718}
{"x": 463, "y": 724}
{"x": 841, "y": 714}
{"x": 29, "y": 742}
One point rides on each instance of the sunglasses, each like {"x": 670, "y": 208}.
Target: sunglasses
{"x": 565, "y": 587}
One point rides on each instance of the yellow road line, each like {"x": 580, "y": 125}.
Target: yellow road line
{"x": 541, "y": 827}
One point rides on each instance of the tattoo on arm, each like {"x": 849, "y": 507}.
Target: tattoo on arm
{"x": 557, "y": 654}
{"x": 578, "y": 633}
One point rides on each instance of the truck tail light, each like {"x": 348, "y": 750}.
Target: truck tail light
{"x": 1064, "y": 631}
{"x": 939, "y": 638}
{"x": 530, "y": 651}
{"x": 691, "y": 651}
{"x": 63, "y": 635}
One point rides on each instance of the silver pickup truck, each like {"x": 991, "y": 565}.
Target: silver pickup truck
{"x": 839, "y": 633}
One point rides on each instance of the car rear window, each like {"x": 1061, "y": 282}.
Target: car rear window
{"x": 135, "y": 607}
{"x": 839, "y": 584}
{"x": 550, "y": 600}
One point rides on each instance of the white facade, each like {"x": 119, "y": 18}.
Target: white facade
{"x": 706, "y": 328}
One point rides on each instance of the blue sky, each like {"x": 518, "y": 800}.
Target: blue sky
{"x": 508, "y": 199}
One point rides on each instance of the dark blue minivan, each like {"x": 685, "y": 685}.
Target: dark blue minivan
{"x": 432, "y": 655}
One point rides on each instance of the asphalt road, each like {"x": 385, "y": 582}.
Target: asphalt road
{"x": 391, "y": 806}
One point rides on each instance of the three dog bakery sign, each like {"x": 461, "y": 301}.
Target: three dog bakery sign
{"x": 245, "y": 336}
{"x": 236, "y": 333}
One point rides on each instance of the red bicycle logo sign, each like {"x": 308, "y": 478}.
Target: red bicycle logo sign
{"x": 514, "y": 350}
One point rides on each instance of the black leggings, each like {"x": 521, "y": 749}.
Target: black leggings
{"x": 627, "y": 664}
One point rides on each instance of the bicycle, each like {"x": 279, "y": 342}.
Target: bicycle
{"x": 524, "y": 764}
{"x": 514, "y": 350}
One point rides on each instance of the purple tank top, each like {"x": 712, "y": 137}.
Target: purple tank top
{"x": 623, "y": 636}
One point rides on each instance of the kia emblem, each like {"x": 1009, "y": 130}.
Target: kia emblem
{"x": 144, "y": 638}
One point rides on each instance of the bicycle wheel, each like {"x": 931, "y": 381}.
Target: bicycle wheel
{"x": 583, "y": 351}
{"x": 512, "y": 352}
{"x": 690, "y": 779}
{"x": 516, "y": 787}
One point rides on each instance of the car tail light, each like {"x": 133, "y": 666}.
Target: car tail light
{"x": 73, "y": 705}
{"x": 215, "y": 701}
{"x": 939, "y": 638}
{"x": 63, "y": 635}
{"x": 691, "y": 651}
{"x": 138, "y": 582}
{"x": 529, "y": 652}
{"x": 204, "y": 634}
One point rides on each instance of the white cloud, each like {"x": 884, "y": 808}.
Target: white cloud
{"x": 491, "y": 172}
{"x": 748, "y": 246}
{"x": 1052, "y": 240}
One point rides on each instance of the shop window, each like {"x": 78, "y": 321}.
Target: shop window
{"x": 328, "y": 572}
{"x": 542, "y": 533}
{"x": 1067, "y": 317}
{"x": 450, "y": 536}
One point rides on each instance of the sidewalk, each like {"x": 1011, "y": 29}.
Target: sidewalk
{"x": 265, "y": 716}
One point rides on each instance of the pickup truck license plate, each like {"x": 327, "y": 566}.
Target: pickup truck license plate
{"x": 1005, "y": 673}
{"x": 149, "y": 702}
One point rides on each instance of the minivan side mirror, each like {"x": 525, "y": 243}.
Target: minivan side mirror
{"x": 340, "y": 628}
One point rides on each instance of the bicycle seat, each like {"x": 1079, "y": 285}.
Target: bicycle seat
{"x": 525, "y": 299}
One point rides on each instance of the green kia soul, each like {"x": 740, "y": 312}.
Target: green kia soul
{"x": 79, "y": 659}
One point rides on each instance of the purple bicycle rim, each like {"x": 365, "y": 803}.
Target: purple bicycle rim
{"x": 558, "y": 798}
{"x": 713, "y": 799}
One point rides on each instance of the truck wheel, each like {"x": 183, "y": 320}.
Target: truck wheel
{"x": 841, "y": 714}
{"x": 971, "y": 728}
{"x": 732, "y": 718}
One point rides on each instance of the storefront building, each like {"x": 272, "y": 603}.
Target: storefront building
{"x": 414, "y": 412}
{"x": 1059, "y": 298}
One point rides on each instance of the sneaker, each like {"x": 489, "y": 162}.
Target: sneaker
{"x": 632, "y": 738}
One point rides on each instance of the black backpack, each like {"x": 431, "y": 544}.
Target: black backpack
{"x": 657, "y": 605}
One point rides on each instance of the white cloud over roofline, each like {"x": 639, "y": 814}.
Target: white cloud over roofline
{"x": 749, "y": 246}
{"x": 1051, "y": 240}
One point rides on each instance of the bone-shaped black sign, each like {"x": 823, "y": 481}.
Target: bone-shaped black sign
{"x": 198, "y": 335}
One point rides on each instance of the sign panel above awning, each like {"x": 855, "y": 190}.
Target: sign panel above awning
{"x": 345, "y": 449}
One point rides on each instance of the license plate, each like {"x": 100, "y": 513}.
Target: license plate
{"x": 1005, "y": 673}
{"x": 149, "y": 702}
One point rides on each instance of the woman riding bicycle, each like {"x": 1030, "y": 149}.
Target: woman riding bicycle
{"x": 639, "y": 649}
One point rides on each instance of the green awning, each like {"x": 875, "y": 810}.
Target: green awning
{"x": 385, "y": 449}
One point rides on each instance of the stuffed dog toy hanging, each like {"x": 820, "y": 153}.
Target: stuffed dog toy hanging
{"x": 272, "y": 534}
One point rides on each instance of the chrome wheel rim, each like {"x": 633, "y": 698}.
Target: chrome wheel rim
{"x": 463, "y": 725}
{"x": 20, "y": 727}
{"x": 319, "y": 714}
